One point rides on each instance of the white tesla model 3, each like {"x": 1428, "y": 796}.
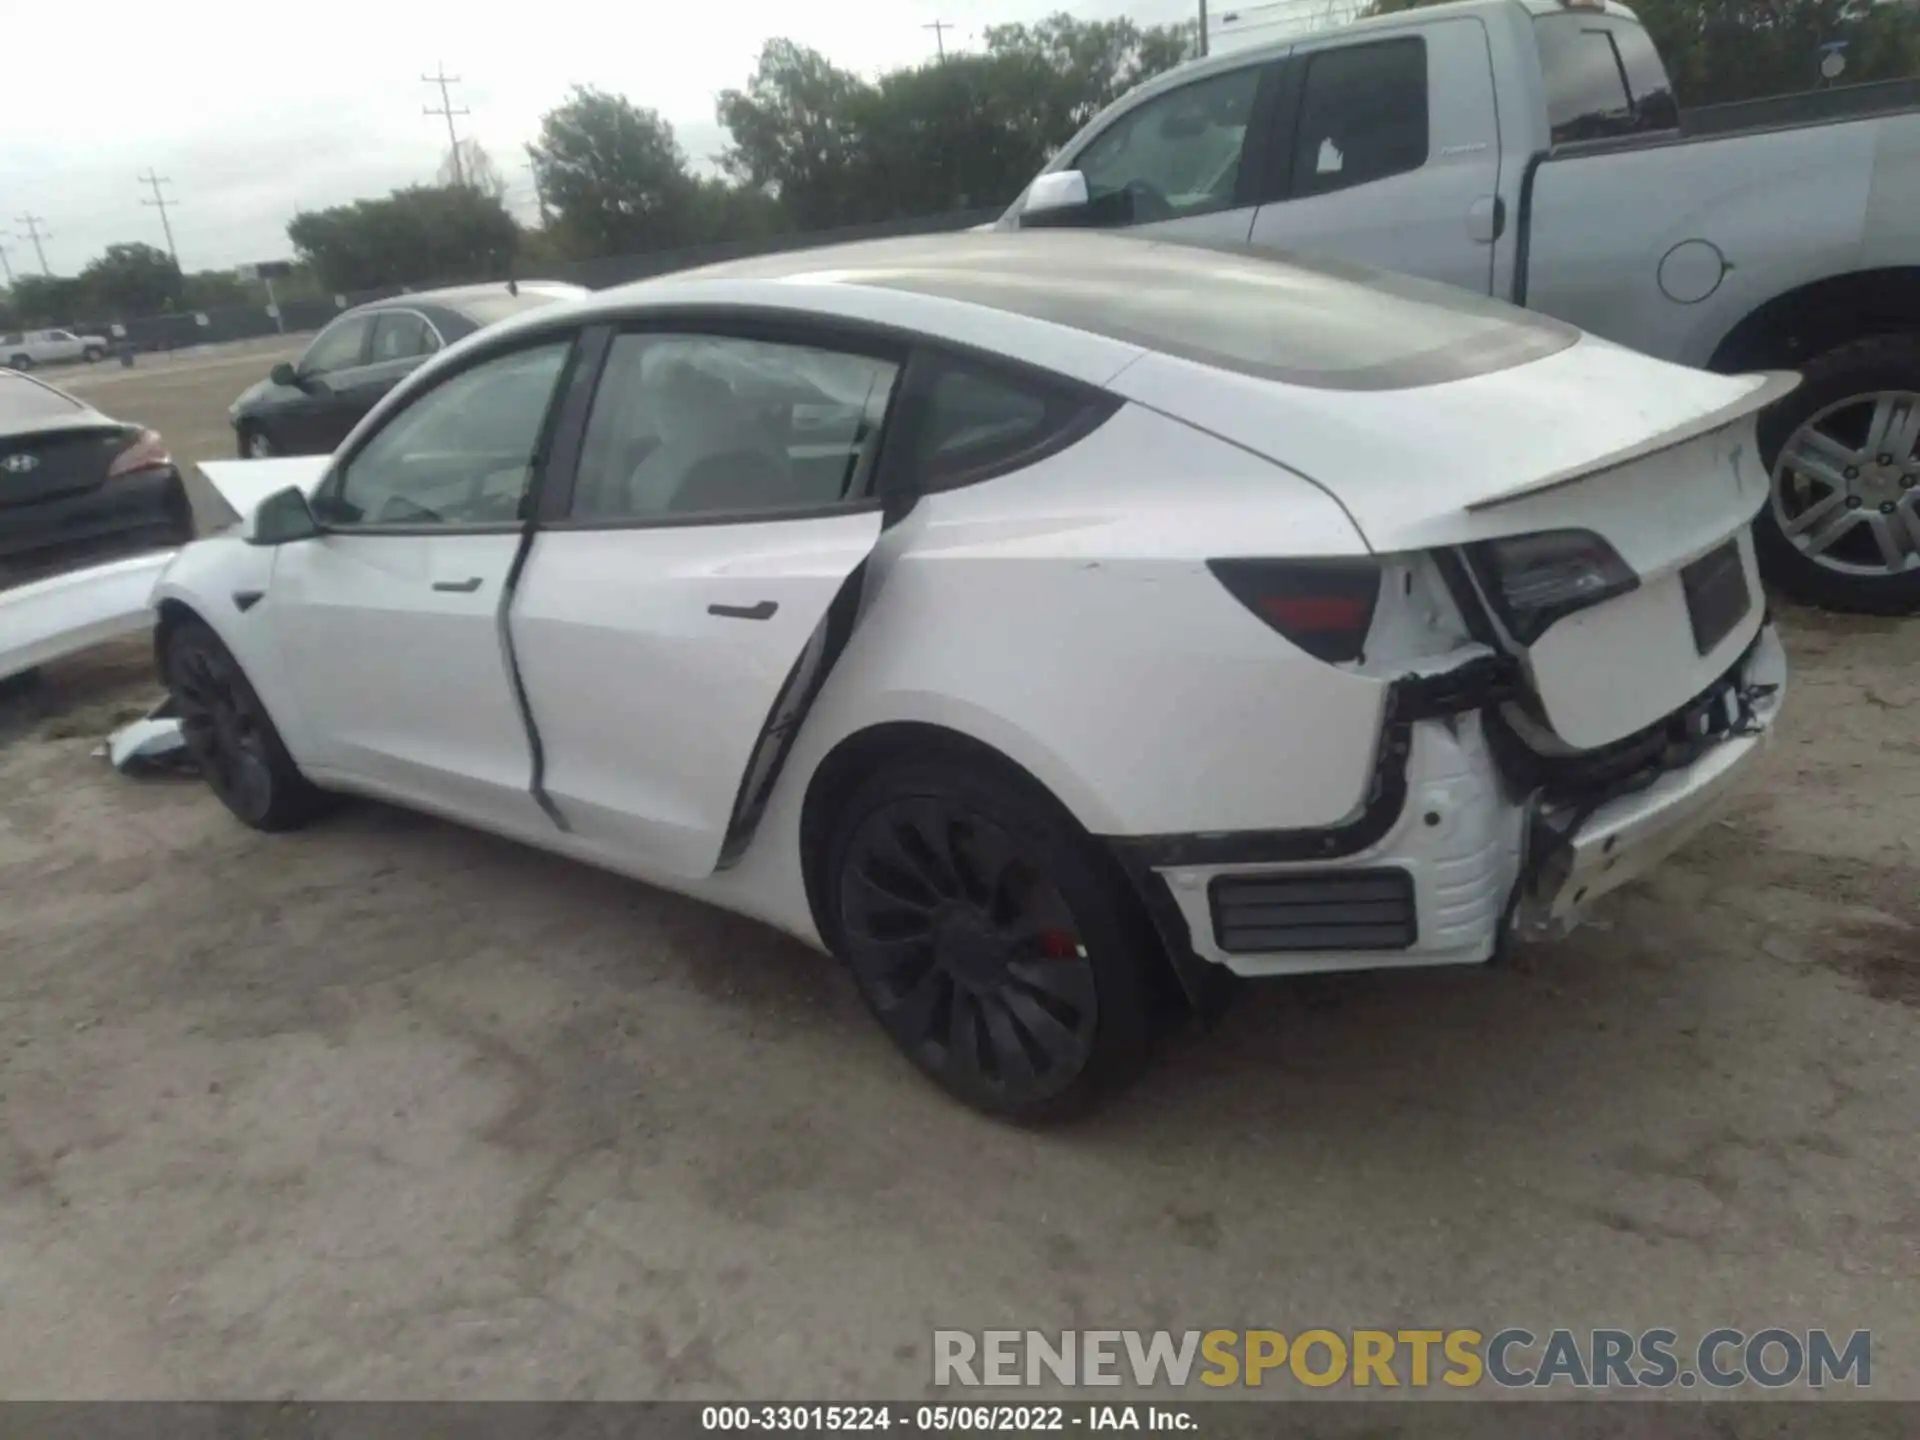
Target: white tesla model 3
{"x": 1049, "y": 625}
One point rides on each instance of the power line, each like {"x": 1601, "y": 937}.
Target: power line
{"x": 939, "y": 28}
{"x": 33, "y": 223}
{"x": 160, "y": 203}
{"x": 443, "y": 80}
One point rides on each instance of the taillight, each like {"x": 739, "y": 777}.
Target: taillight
{"x": 1534, "y": 580}
{"x": 1323, "y": 606}
{"x": 145, "y": 452}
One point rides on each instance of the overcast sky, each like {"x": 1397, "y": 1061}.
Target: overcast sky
{"x": 256, "y": 109}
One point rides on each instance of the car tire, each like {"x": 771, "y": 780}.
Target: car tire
{"x": 20, "y": 362}
{"x": 1834, "y": 409}
{"x": 256, "y": 444}
{"x": 999, "y": 948}
{"x": 93, "y": 354}
{"x": 231, "y": 737}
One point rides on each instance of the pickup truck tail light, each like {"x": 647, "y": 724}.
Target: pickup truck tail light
{"x": 1534, "y": 580}
{"x": 145, "y": 451}
{"x": 1323, "y": 606}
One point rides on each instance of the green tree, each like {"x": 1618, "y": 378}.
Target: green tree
{"x": 612, "y": 177}
{"x": 422, "y": 235}
{"x": 43, "y": 300}
{"x": 216, "y": 290}
{"x": 965, "y": 132}
{"x": 133, "y": 279}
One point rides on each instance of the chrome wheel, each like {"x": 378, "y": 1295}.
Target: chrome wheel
{"x": 258, "y": 446}
{"x": 1846, "y": 488}
{"x": 966, "y": 951}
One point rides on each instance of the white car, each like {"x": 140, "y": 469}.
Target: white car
{"x": 1048, "y": 624}
{"x": 24, "y": 349}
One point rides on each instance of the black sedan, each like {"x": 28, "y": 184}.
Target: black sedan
{"x": 306, "y": 407}
{"x": 77, "y": 487}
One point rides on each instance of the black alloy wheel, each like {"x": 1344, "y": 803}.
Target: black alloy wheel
{"x": 989, "y": 943}
{"x": 230, "y": 736}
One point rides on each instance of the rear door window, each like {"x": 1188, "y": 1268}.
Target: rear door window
{"x": 980, "y": 421}
{"x": 1603, "y": 78}
{"x": 401, "y": 335}
{"x": 1363, "y": 115}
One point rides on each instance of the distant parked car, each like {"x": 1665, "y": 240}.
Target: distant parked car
{"x": 77, "y": 487}
{"x": 24, "y": 349}
{"x": 307, "y": 406}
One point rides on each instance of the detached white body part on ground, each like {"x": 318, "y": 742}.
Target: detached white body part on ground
{"x": 60, "y": 616}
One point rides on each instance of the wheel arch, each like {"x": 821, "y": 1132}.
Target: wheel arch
{"x": 855, "y": 756}
{"x": 1798, "y": 324}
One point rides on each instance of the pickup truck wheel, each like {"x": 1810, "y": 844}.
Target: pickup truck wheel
{"x": 1842, "y": 527}
{"x": 92, "y": 354}
{"x": 20, "y": 362}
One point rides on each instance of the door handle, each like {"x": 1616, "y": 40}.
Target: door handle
{"x": 761, "y": 611}
{"x": 459, "y": 587}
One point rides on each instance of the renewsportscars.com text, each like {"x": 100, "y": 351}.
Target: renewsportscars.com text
{"x": 1512, "y": 1358}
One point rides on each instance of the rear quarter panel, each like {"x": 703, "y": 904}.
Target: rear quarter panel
{"x": 1784, "y": 207}
{"x": 1064, "y": 615}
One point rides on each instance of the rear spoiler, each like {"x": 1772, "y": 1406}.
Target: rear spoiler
{"x": 1774, "y": 385}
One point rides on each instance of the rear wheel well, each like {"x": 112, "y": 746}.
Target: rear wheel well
{"x": 859, "y": 755}
{"x": 1791, "y": 329}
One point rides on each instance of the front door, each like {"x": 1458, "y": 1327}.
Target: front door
{"x": 672, "y": 618}
{"x": 1188, "y": 163}
{"x": 307, "y": 420}
{"x": 390, "y": 621}
{"x": 1386, "y": 165}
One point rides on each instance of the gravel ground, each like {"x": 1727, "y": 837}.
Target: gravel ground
{"x": 391, "y": 1109}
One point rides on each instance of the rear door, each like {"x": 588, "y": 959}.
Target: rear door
{"x": 674, "y": 611}
{"x": 1188, "y": 163}
{"x": 1387, "y": 153}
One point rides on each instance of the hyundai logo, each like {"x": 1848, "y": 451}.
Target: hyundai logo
{"x": 19, "y": 464}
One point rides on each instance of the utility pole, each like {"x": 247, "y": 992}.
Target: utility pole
{"x": 939, "y": 28}
{"x": 1203, "y": 29}
{"x": 539, "y": 195}
{"x": 160, "y": 202}
{"x": 33, "y": 223}
{"x": 443, "y": 80}
{"x": 5, "y": 263}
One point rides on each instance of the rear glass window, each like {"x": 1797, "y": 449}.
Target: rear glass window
{"x": 1603, "y": 77}
{"x": 1314, "y": 323}
{"x": 25, "y": 402}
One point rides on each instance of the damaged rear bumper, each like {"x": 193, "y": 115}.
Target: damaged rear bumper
{"x": 1453, "y": 850}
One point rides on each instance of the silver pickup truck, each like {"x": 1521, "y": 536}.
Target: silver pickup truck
{"x": 1532, "y": 149}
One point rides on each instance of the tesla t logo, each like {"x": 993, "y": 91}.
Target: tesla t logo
{"x": 18, "y": 464}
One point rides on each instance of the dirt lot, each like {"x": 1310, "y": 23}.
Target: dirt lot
{"x": 386, "y": 1108}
